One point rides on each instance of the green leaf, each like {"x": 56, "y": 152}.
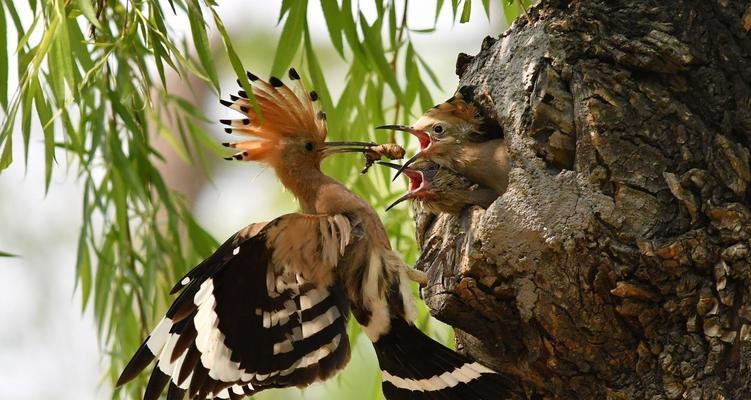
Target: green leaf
{"x": 316, "y": 75}
{"x": 284, "y": 9}
{"x": 333, "y": 18}
{"x": 375, "y": 52}
{"x": 88, "y": 11}
{"x": 204, "y": 138}
{"x": 201, "y": 41}
{"x": 6, "y": 254}
{"x": 26, "y": 109}
{"x": 486, "y": 6}
{"x": 350, "y": 33}
{"x": 56, "y": 70}
{"x": 431, "y": 74}
{"x": 6, "y": 158}
{"x": 83, "y": 269}
{"x": 45, "y": 118}
{"x": 438, "y": 7}
{"x": 510, "y": 11}
{"x": 3, "y": 60}
{"x": 16, "y": 19}
{"x": 392, "y": 26}
{"x": 466, "y": 12}
{"x": 454, "y": 8}
{"x": 423, "y": 30}
{"x": 26, "y": 36}
{"x": 291, "y": 38}
{"x": 412, "y": 78}
{"x": 374, "y": 101}
{"x": 237, "y": 65}
{"x": 426, "y": 100}
{"x": 78, "y": 43}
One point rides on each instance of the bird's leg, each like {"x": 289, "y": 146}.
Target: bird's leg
{"x": 417, "y": 276}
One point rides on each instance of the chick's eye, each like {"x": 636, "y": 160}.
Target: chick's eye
{"x": 438, "y": 129}
{"x": 309, "y": 146}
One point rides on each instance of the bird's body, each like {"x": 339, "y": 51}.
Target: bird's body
{"x": 269, "y": 308}
{"x": 485, "y": 163}
{"x": 455, "y": 135}
{"x": 436, "y": 189}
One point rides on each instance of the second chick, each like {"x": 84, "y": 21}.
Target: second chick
{"x": 437, "y": 189}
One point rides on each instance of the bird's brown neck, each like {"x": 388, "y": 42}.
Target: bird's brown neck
{"x": 305, "y": 186}
{"x": 485, "y": 163}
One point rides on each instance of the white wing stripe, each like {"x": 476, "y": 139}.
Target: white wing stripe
{"x": 158, "y": 336}
{"x": 312, "y": 297}
{"x": 164, "y": 359}
{"x": 176, "y": 369}
{"x": 380, "y": 319}
{"x": 284, "y": 346}
{"x": 464, "y": 374}
{"x": 215, "y": 355}
{"x": 205, "y": 290}
{"x": 310, "y": 328}
{"x": 314, "y": 357}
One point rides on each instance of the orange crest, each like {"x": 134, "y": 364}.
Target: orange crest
{"x": 456, "y": 107}
{"x": 284, "y": 114}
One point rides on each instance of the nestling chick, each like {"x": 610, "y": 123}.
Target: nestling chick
{"x": 454, "y": 134}
{"x": 437, "y": 189}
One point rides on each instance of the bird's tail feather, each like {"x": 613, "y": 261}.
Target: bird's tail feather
{"x": 414, "y": 366}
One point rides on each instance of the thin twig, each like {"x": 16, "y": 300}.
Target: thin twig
{"x": 524, "y": 9}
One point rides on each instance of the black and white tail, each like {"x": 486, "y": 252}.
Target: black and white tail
{"x": 414, "y": 366}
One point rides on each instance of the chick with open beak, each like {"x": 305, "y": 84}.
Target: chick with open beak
{"x": 454, "y": 134}
{"x": 437, "y": 189}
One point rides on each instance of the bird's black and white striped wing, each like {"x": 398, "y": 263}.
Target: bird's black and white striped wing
{"x": 263, "y": 311}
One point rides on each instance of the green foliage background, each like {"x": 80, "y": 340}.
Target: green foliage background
{"x": 94, "y": 74}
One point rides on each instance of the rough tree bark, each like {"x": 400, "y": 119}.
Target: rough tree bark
{"x": 617, "y": 264}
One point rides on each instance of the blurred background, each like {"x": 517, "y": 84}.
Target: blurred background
{"x": 49, "y": 349}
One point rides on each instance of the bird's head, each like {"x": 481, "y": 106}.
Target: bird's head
{"x": 290, "y": 132}
{"x": 420, "y": 176}
{"x": 446, "y": 127}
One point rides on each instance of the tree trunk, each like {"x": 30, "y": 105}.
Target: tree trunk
{"x": 617, "y": 264}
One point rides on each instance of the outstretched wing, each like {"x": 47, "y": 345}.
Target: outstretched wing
{"x": 263, "y": 311}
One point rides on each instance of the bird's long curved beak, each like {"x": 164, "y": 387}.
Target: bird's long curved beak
{"x": 403, "y": 167}
{"x": 411, "y": 173}
{"x": 346, "y": 147}
{"x": 417, "y": 182}
{"x": 403, "y": 128}
{"x": 363, "y": 144}
{"x": 407, "y": 196}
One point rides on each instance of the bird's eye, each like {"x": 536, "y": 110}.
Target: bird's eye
{"x": 309, "y": 146}
{"x": 438, "y": 129}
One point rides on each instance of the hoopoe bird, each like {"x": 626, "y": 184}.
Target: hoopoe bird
{"x": 455, "y": 135}
{"x": 437, "y": 189}
{"x": 269, "y": 308}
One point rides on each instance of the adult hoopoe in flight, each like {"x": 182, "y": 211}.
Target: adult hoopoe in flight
{"x": 269, "y": 308}
{"x": 438, "y": 189}
{"x": 454, "y": 134}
